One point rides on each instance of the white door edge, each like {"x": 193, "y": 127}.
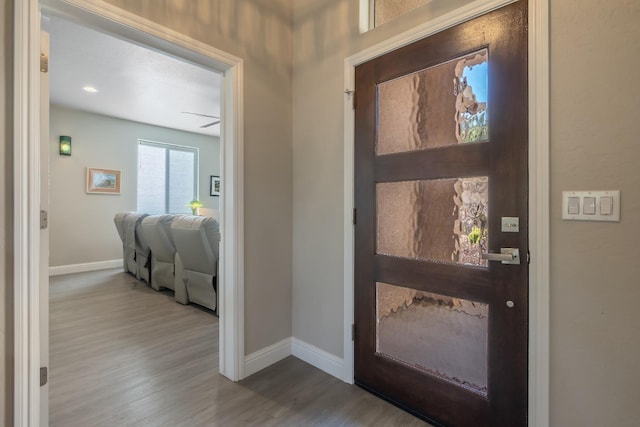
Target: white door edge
{"x": 98, "y": 14}
{"x": 43, "y": 284}
{"x": 26, "y": 212}
{"x": 539, "y": 202}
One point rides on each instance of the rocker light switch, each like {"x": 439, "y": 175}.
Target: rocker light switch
{"x": 606, "y": 205}
{"x": 589, "y": 206}
{"x": 573, "y": 207}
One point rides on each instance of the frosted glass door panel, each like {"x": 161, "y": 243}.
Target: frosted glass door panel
{"x": 442, "y": 105}
{"x": 443, "y": 336}
{"x": 438, "y": 220}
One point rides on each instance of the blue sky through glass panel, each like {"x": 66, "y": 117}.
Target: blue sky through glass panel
{"x": 477, "y": 79}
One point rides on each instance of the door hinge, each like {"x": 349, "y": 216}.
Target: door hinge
{"x": 528, "y": 257}
{"x": 351, "y": 94}
{"x": 44, "y": 375}
{"x": 44, "y": 62}
{"x": 353, "y": 332}
{"x": 355, "y": 216}
{"x": 44, "y": 220}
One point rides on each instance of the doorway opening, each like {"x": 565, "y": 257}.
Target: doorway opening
{"x": 29, "y": 334}
{"x": 538, "y": 94}
{"x": 111, "y": 331}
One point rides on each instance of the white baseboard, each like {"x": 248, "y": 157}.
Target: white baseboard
{"x": 80, "y": 268}
{"x": 306, "y": 352}
{"x": 267, "y": 356}
{"x": 332, "y": 365}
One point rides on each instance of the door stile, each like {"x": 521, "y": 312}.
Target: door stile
{"x": 364, "y": 242}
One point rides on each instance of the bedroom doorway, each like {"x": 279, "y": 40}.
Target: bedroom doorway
{"x": 29, "y": 309}
{"x": 88, "y": 297}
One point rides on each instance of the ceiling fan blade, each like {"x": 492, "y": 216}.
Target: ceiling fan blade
{"x": 211, "y": 124}
{"x": 201, "y": 115}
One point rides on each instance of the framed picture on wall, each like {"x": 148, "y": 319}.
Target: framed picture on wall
{"x": 215, "y": 185}
{"x": 103, "y": 181}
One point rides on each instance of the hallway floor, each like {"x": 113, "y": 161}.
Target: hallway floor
{"x": 122, "y": 354}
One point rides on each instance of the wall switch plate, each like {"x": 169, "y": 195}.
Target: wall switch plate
{"x": 591, "y": 205}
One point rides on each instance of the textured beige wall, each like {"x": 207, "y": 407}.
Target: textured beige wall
{"x": 78, "y": 220}
{"x": 325, "y": 33}
{"x": 594, "y": 270}
{"x": 6, "y": 211}
{"x": 595, "y": 273}
{"x": 259, "y": 32}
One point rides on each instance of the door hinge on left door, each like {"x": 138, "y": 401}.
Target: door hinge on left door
{"x": 44, "y": 62}
{"x": 44, "y": 375}
{"x": 351, "y": 94}
{"x": 44, "y": 220}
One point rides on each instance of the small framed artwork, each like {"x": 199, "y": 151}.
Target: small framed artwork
{"x": 215, "y": 185}
{"x": 103, "y": 181}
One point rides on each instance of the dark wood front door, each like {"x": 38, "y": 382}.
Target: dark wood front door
{"x": 441, "y": 184}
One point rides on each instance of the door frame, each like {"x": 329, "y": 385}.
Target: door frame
{"x": 27, "y": 307}
{"x": 539, "y": 203}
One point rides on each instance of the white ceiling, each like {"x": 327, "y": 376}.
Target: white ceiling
{"x": 133, "y": 82}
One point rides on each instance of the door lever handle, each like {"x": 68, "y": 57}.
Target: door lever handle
{"x": 506, "y": 256}
{"x": 498, "y": 257}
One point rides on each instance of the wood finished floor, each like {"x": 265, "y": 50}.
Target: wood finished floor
{"x": 122, "y": 354}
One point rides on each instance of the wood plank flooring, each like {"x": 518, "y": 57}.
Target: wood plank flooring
{"x": 123, "y": 354}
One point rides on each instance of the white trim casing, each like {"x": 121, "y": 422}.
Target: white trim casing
{"x": 232, "y": 225}
{"x": 349, "y": 231}
{"x": 365, "y": 22}
{"x": 539, "y": 211}
{"x": 538, "y": 186}
{"x": 59, "y": 270}
{"x": 108, "y": 18}
{"x": 26, "y": 408}
{"x": 99, "y": 14}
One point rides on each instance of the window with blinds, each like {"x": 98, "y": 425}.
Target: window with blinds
{"x": 167, "y": 177}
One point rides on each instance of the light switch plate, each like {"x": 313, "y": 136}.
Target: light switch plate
{"x": 591, "y": 205}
